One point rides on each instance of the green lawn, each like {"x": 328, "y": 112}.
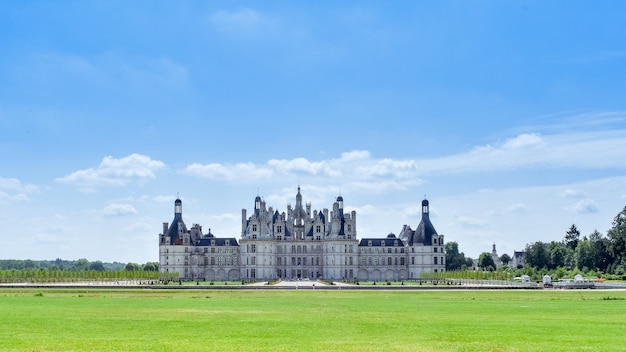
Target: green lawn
{"x": 311, "y": 320}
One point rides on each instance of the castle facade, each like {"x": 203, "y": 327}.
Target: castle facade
{"x": 299, "y": 244}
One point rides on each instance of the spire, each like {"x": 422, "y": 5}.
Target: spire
{"x": 298, "y": 198}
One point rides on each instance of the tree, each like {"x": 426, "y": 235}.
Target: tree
{"x": 151, "y": 266}
{"x": 584, "y": 255}
{"x": 505, "y": 259}
{"x": 485, "y": 260}
{"x": 572, "y": 237}
{"x": 536, "y": 255}
{"x": 617, "y": 238}
{"x": 97, "y": 266}
{"x": 558, "y": 255}
{"x": 600, "y": 247}
{"x": 81, "y": 264}
{"x": 132, "y": 267}
{"x": 454, "y": 259}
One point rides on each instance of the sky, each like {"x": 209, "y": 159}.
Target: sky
{"x": 508, "y": 116}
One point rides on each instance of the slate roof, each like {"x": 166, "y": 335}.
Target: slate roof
{"x": 173, "y": 230}
{"x": 219, "y": 241}
{"x": 377, "y": 242}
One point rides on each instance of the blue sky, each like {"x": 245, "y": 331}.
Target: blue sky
{"x": 508, "y": 115}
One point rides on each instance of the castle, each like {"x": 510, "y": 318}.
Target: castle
{"x": 299, "y": 244}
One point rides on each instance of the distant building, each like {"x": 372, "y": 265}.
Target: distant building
{"x": 518, "y": 259}
{"x": 298, "y": 244}
{"x": 496, "y": 258}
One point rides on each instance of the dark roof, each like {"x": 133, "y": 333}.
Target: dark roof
{"x": 320, "y": 214}
{"x": 423, "y": 233}
{"x": 173, "y": 230}
{"x": 206, "y": 241}
{"x": 377, "y": 242}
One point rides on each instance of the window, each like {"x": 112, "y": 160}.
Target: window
{"x": 228, "y": 242}
{"x": 435, "y": 249}
{"x": 212, "y": 249}
{"x": 401, "y": 260}
{"x": 212, "y": 260}
{"x": 279, "y": 229}
{"x": 389, "y": 261}
{"x": 206, "y": 250}
{"x": 253, "y": 248}
{"x": 435, "y": 260}
{"x": 254, "y": 228}
{"x": 349, "y": 228}
{"x": 318, "y": 229}
{"x": 318, "y": 238}
{"x": 369, "y": 243}
{"x": 253, "y": 261}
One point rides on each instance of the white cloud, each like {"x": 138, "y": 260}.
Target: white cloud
{"x": 569, "y": 150}
{"x": 572, "y": 193}
{"x": 117, "y": 209}
{"x": 234, "y": 172}
{"x": 585, "y": 206}
{"x": 363, "y": 172}
{"x": 517, "y": 208}
{"x": 114, "y": 172}
{"x": 243, "y": 22}
{"x": 303, "y": 165}
{"x": 470, "y": 221}
{"x": 14, "y": 189}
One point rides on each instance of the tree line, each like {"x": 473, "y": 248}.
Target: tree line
{"x": 590, "y": 254}
{"x": 15, "y": 270}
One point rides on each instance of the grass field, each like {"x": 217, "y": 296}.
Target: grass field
{"x": 311, "y": 320}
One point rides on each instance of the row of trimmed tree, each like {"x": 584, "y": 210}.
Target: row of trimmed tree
{"x": 14, "y": 270}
